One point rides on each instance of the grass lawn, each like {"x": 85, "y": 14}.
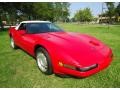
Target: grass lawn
{"x": 18, "y": 69}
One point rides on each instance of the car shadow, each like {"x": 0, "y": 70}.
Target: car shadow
{"x": 69, "y": 76}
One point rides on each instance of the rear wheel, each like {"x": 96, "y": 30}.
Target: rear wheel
{"x": 12, "y": 43}
{"x": 43, "y": 61}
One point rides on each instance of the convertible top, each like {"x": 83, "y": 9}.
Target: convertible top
{"x": 36, "y": 21}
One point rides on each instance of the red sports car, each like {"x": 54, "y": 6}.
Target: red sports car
{"x": 60, "y": 52}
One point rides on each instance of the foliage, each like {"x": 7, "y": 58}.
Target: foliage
{"x": 118, "y": 9}
{"x": 83, "y": 15}
{"x": 111, "y": 10}
{"x": 29, "y": 10}
{"x": 43, "y": 11}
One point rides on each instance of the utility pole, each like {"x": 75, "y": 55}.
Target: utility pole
{"x": 103, "y": 8}
{"x": 102, "y": 12}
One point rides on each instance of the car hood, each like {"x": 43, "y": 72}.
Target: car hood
{"x": 84, "y": 49}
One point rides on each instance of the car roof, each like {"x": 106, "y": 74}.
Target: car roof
{"x": 35, "y": 22}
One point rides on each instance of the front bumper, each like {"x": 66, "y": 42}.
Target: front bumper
{"x": 87, "y": 73}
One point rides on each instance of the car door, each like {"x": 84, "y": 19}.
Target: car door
{"x": 21, "y": 31}
{"x": 27, "y": 41}
{"x": 23, "y": 39}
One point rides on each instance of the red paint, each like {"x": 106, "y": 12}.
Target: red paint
{"x": 70, "y": 48}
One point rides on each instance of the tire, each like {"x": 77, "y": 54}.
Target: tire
{"x": 44, "y": 61}
{"x": 12, "y": 43}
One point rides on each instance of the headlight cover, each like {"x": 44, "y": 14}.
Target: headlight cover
{"x": 87, "y": 68}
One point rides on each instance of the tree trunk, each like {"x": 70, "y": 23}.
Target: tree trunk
{"x": 1, "y": 25}
{"x": 110, "y": 20}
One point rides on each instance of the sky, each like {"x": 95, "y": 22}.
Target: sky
{"x": 96, "y": 7}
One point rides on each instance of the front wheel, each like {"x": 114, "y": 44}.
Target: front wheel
{"x": 44, "y": 61}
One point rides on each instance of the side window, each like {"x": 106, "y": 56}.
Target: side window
{"x": 22, "y": 26}
{"x": 37, "y": 28}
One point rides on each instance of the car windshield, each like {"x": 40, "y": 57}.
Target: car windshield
{"x": 42, "y": 28}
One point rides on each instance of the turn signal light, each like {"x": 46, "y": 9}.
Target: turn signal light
{"x": 60, "y": 64}
{"x": 66, "y": 66}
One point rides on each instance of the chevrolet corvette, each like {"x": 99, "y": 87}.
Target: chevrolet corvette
{"x": 60, "y": 52}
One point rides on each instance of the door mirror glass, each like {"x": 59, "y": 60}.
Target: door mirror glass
{"x": 22, "y": 29}
{"x": 22, "y": 26}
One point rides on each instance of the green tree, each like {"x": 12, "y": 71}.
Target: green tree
{"x": 43, "y": 11}
{"x": 1, "y": 25}
{"x": 8, "y": 10}
{"x": 83, "y": 15}
{"x": 65, "y": 11}
{"x": 117, "y": 11}
{"x": 32, "y": 11}
{"x": 61, "y": 11}
{"x": 111, "y": 10}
